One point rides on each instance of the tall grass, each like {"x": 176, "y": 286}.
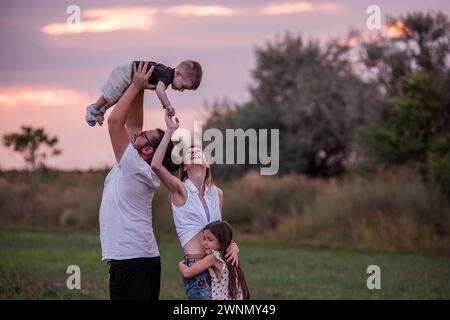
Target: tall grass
{"x": 389, "y": 210}
{"x": 50, "y": 200}
{"x": 258, "y": 204}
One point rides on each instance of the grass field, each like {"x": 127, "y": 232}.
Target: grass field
{"x": 33, "y": 266}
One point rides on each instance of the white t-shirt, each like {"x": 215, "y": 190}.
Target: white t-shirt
{"x": 126, "y": 229}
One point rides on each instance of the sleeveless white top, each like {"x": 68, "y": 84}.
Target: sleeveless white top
{"x": 191, "y": 217}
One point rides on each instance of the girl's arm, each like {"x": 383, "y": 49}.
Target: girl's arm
{"x": 175, "y": 186}
{"x": 198, "y": 267}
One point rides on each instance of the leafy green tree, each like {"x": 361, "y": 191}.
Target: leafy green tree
{"x": 34, "y": 144}
{"x": 414, "y": 71}
{"x": 416, "y": 131}
{"x": 321, "y": 96}
{"x": 422, "y": 44}
{"x": 309, "y": 92}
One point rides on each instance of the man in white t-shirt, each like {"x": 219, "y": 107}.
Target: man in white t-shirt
{"x": 126, "y": 231}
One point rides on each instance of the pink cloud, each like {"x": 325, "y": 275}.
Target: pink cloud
{"x": 101, "y": 20}
{"x": 297, "y": 7}
{"x": 200, "y": 10}
{"x": 28, "y": 96}
{"x": 106, "y": 20}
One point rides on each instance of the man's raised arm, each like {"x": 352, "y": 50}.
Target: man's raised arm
{"x": 135, "y": 120}
{"x": 118, "y": 117}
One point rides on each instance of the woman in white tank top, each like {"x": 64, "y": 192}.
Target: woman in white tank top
{"x": 195, "y": 202}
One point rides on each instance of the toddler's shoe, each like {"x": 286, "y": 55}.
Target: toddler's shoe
{"x": 93, "y": 115}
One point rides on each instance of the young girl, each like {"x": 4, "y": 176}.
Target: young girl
{"x": 227, "y": 281}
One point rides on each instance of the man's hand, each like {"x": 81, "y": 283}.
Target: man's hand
{"x": 140, "y": 77}
{"x": 170, "y": 123}
{"x": 232, "y": 254}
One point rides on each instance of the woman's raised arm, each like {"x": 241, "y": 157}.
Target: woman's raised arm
{"x": 175, "y": 186}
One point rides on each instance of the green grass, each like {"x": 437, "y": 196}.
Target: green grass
{"x": 33, "y": 265}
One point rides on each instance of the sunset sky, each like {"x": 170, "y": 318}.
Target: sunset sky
{"x": 49, "y": 72}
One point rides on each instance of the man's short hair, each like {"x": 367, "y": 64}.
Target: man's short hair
{"x": 192, "y": 70}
